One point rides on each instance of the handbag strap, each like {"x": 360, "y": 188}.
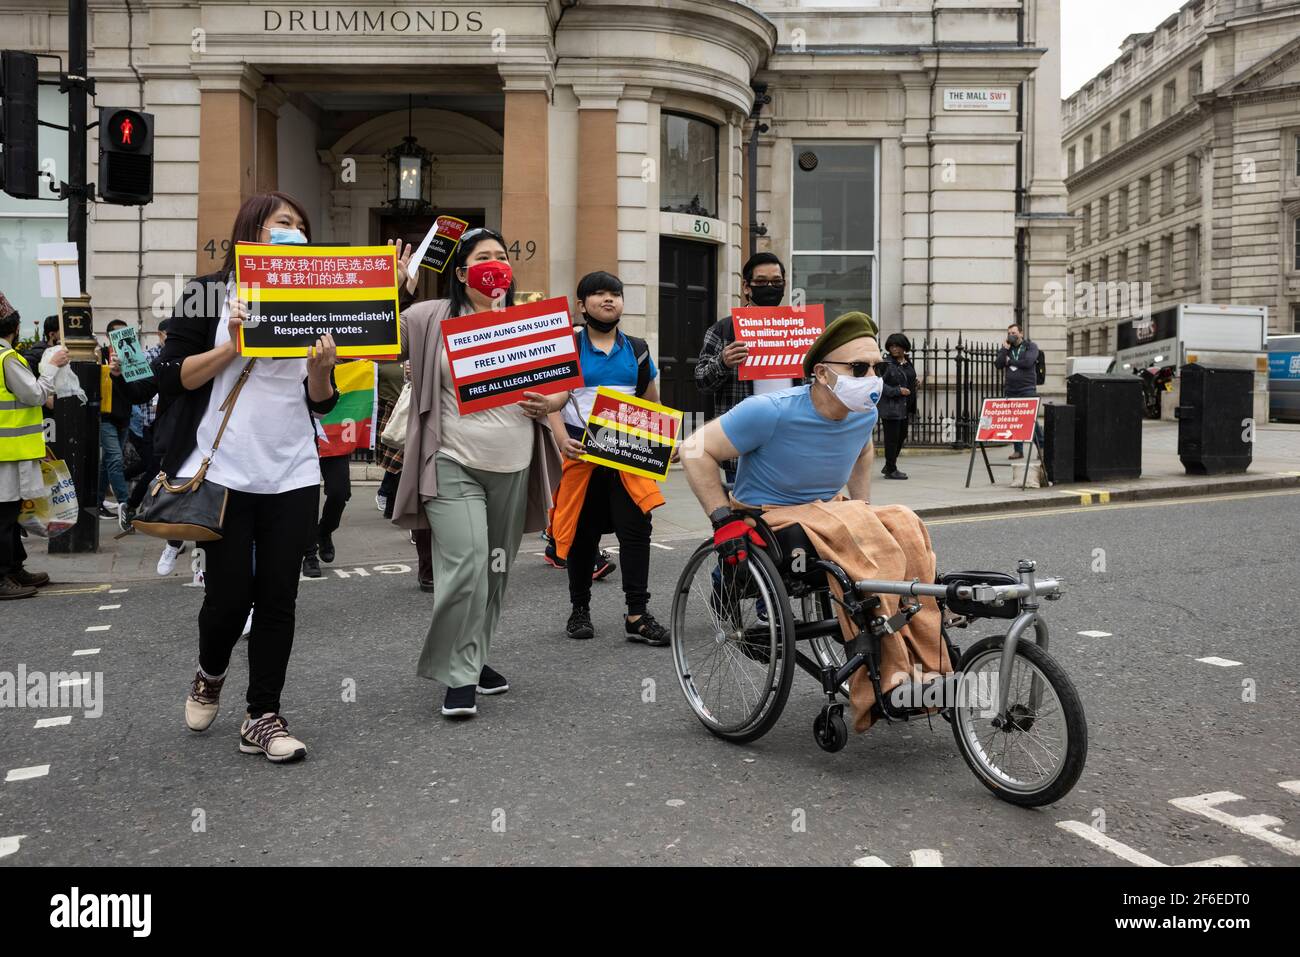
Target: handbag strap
{"x": 227, "y": 406}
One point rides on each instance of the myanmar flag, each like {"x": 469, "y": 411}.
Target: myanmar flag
{"x": 350, "y": 425}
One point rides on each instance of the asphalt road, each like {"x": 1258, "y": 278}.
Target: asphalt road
{"x": 573, "y": 766}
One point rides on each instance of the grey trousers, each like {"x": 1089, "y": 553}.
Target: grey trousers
{"x": 477, "y": 521}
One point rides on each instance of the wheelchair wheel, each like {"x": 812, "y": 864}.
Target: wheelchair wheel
{"x": 733, "y": 643}
{"x": 828, "y": 650}
{"x": 1036, "y": 757}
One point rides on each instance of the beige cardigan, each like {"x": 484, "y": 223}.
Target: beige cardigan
{"x": 422, "y": 344}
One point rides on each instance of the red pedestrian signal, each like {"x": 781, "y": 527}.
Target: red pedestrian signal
{"x": 125, "y": 156}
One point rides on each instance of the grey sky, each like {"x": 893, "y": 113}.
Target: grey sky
{"x": 1092, "y": 30}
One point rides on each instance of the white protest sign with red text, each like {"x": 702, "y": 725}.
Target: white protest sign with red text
{"x": 497, "y": 356}
{"x": 1007, "y": 420}
{"x": 778, "y": 338}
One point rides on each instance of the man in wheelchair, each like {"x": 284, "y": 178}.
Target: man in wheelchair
{"x": 797, "y": 449}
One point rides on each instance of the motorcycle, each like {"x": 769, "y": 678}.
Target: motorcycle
{"x": 1156, "y": 380}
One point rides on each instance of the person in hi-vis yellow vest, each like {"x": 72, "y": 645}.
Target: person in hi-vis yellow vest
{"x": 22, "y": 446}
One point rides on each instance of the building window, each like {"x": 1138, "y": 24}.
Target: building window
{"x": 1123, "y": 209}
{"x": 1144, "y": 199}
{"x": 1105, "y": 139}
{"x": 1103, "y": 269}
{"x": 1167, "y": 190}
{"x": 1087, "y": 224}
{"x": 1170, "y": 98}
{"x": 1087, "y": 150}
{"x": 1087, "y": 272}
{"x": 1295, "y": 318}
{"x": 1295, "y": 255}
{"x": 1297, "y": 154}
{"x": 1167, "y": 262}
{"x": 1103, "y": 218}
{"x": 1193, "y": 258}
{"x": 1125, "y": 126}
{"x": 835, "y": 201}
{"x": 1193, "y": 179}
{"x": 1069, "y": 162}
{"x": 1144, "y": 113}
{"x": 690, "y": 165}
{"x": 1144, "y": 262}
{"x": 1194, "y": 80}
{"x": 1121, "y": 272}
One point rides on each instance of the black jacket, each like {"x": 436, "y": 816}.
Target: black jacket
{"x": 1022, "y": 369}
{"x": 896, "y": 376}
{"x": 192, "y": 330}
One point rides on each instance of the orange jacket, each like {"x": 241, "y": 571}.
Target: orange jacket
{"x": 572, "y": 493}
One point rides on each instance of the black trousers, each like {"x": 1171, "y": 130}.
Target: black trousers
{"x": 608, "y": 505}
{"x": 279, "y": 527}
{"x": 895, "y": 437}
{"x": 12, "y": 553}
{"x": 149, "y": 461}
{"x": 337, "y": 473}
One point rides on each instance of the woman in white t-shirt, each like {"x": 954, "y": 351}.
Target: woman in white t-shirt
{"x": 478, "y": 481}
{"x": 267, "y": 459}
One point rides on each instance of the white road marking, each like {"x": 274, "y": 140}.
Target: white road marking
{"x": 927, "y": 858}
{"x": 53, "y": 722}
{"x": 1221, "y": 662}
{"x": 74, "y": 682}
{"x": 667, "y": 548}
{"x": 869, "y": 862}
{"x": 86, "y": 651}
{"x": 1232, "y": 860}
{"x": 109, "y": 607}
{"x": 23, "y": 774}
{"x": 1255, "y": 825}
{"x": 118, "y": 591}
{"x": 9, "y": 845}
{"x": 1122, "y": 851}
{"x": 1292, "y": 786}
{"x": 1095, "y": 634}
{"x": 98, "y": 627}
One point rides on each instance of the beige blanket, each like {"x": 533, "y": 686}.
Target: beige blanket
{"x": 884, "y": 542}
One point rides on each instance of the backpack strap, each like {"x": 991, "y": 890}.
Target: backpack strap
{"x": 641, "y": 349}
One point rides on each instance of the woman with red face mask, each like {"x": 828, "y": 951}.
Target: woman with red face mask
{"x": 477, "y": 481}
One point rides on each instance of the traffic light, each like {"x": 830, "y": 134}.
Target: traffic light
{"x": 125, "y": 156}
{"x": 20, "y": 159}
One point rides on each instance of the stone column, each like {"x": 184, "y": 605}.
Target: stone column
{"x": 269, "y": 100}
{"x": 525, "y": 190}
{"x": 226, "y": 157}
{"x": 596, "y": 238}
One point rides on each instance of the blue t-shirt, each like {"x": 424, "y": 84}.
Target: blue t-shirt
{"x": 789, "y": 453}
{"x": 613, "y": 370}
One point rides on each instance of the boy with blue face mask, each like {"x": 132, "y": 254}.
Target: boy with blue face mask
{"x": 801, "y": 444}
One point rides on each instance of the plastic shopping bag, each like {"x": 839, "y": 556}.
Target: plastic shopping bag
{"x": 56, "y": 511}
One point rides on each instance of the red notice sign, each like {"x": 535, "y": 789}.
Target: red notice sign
{"x": 778, "y": 338}
{"x": 497, "y": 356}
{"x": 1007, "y": 420}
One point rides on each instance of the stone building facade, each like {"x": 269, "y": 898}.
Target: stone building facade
{"x": 908, "y": 161}
{"x": 1183, "y": 166}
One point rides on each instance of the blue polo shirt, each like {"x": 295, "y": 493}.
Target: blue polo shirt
{"x": 615, "y": 369}
{"x": 789, "y": 453}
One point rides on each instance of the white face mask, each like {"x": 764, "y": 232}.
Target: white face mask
{"x": 858, "y": 395}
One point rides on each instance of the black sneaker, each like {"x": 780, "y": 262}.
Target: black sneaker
{"x": 459, "y": 702}
{"x": 579, "y": 625}
{"x": 552, "y": 559}
{"x": 896, "y": 475}
{"x": 107, "y": 514}
{"x": 311, "y": 567}
{"x": 492, "y": 682}
{"x": 125, "y": 516}
{"x": 646, "y": 630}
{"x": 603, "y": 567}
{"x": 326, "y": 549}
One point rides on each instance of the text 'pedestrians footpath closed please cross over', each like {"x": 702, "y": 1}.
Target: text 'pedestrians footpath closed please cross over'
{"x": 296, "y": 294}
{"x": 498, "y": 355}
{"x": 1007, "y": 420}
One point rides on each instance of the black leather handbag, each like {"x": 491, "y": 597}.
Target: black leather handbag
{"x": 190, "y": 509}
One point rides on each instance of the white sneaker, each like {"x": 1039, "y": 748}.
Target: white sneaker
{"x": 381, "y": 501}
{"x": 269, "y": 735}
{"x": 248, "y": 625}
{"x": 167, "y": 560}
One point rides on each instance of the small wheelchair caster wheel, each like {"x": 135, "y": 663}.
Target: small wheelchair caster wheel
{"x": 829, "y": 729}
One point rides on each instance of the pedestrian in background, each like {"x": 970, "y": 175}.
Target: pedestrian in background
{"x": 1019, "y": 357}
{"x": 268, "y": 461}
{"x": 114, "y": 426}
{"x": 897, "y": 401}
{"x": 22, "y": 446}
{"x": 336, "y": 471}
{"x": 49, "y": 337}
{"x": 478, "y": 481}
{"x": 762, "y": 284}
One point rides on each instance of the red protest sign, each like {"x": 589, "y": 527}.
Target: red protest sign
{"x": 497, "y": 356}
{"x": 778, "y": 338}
{"x": 1007, "y": 420}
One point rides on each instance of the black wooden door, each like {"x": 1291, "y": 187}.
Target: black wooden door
{"x": 687, "y": 303}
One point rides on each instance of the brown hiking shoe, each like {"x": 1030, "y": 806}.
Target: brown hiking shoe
{"x": 11, "y": 589}
{"x": 203, "y": 702}
{"x": 270, "y": 735}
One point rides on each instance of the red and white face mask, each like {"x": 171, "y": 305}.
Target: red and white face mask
{"x": 491, "y": 277}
